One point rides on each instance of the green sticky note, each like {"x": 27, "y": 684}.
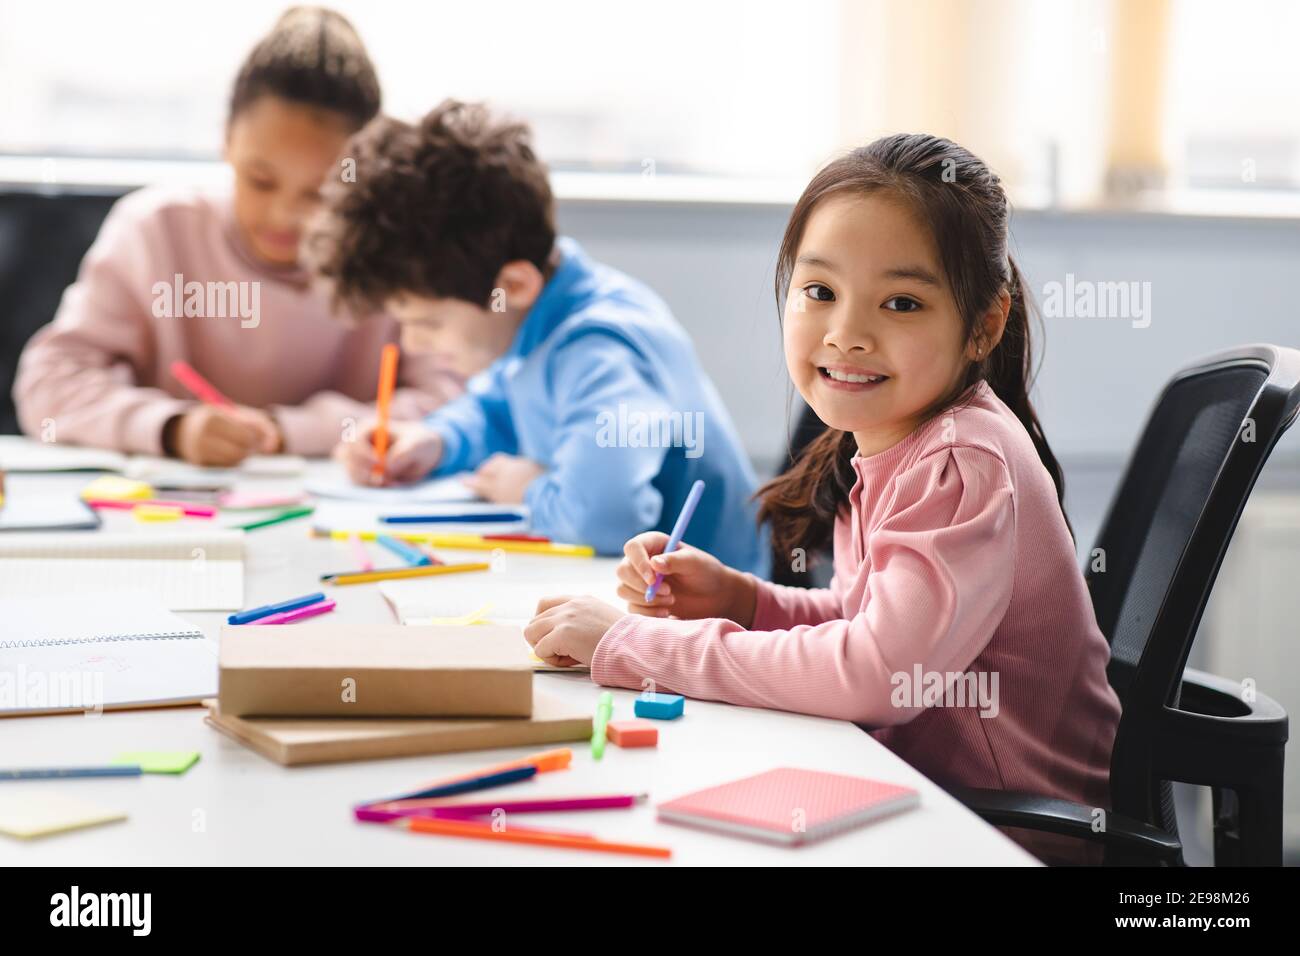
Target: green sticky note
{"x": 160, "y": 761}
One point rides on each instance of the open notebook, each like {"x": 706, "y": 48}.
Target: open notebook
{"x": 334, "y": 483}
{"x": 19, "y": 454}
{"x": 105, "y": 651}
{"x": 184, "y": 571}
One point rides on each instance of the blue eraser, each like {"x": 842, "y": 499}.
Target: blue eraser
{"x": 660, "y": 706}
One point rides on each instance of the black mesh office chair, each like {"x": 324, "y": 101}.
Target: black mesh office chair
{"x": 1163, "y": 541}
{"x": 43, "y": 236}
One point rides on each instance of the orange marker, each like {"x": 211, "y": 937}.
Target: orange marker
{"x": 387, "y": 381}
{"x": 476, "y": 830}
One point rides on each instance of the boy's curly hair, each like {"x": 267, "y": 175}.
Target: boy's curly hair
{"x": 436, "y": 209}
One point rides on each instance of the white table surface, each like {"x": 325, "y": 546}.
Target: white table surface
{"x": 235, "y": 807}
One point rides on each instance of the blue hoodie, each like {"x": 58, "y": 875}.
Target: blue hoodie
{"x": 603, "y": 388}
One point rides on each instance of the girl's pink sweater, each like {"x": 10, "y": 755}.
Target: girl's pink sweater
{"x": 954, "y": 574}
{"x": 99, "y": 374}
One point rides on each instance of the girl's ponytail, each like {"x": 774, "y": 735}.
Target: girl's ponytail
{"x": 1009, "y": 371}
{"x": 803, "y": 502}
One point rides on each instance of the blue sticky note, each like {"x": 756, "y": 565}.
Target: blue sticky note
{"x": 660, "y": 706}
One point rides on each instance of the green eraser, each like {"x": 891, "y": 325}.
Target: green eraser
{"x": 160, "y": 761}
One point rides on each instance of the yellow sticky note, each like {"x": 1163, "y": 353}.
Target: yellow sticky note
{"x": 157, "y": 512}
{"x": 473, "y": 617}
{"x": 116, "y": 488}
{"x": 160, "y": 761}
{"x": 35, "y": 813}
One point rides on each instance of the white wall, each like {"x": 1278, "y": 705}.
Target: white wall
{"x": 1215, "y": 283}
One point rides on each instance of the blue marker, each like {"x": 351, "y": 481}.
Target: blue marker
{"x": 257, "y": 613}
{"x": 60, "y": 773}
{"x": 412, "y": 556}
{"x": 471, "y": 518}
{"x": 471, "y": 785}
{"x": 679, "y": 531}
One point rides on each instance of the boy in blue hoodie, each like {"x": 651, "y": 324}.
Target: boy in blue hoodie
{"x": 586, "y": 401}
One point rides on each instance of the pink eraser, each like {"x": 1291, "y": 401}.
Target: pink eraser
{"x": 632, "y": 733}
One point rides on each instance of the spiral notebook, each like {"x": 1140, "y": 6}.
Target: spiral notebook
{"x": 103, "y": 651}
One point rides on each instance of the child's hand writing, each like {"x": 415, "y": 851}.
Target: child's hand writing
{"x": 413, "y": 452}
{"x": 221, "y": 437}
{"x": 695, "y": 585}
{"x": 567, "y": 629}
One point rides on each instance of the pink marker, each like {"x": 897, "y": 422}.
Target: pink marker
{"x": 288, "y": 617}
{"x": 368, "y": 815}
{"x": 198, "y": 386}
{"x": 192, "y": 511}
{"x": 359, "y": 550}
{"x": 459, "y": 811}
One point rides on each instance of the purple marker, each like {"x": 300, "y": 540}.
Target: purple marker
{"x": 679, "y": 530}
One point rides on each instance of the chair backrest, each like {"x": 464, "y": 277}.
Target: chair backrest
{"x": 43, "y": 236}
{"x": 1163, "y": 541}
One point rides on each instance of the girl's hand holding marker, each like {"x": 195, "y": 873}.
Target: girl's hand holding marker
{"x": 567, "y": 630}
{"x": 695, "y": 583}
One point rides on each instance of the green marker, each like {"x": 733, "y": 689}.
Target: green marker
{"x": 276, "y": 519}
{"x": 604, "y": 710}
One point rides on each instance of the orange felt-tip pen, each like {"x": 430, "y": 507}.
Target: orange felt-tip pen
{"x": 383, "y": 404}
{"x": 476, "y": 830}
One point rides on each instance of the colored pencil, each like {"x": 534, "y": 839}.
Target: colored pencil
{"x": 365, "y": 577}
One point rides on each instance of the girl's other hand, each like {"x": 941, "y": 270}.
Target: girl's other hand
{"x": 566, "y": 630}
{"x": 696, "y": 584}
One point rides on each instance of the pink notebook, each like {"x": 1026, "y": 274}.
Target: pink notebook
{"x": 788, "y": 805}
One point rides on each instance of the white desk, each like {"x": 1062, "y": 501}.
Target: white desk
{"x": 235, "y": 807}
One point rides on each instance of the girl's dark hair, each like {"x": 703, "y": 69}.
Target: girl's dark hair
{"x": 312, "y": 56}
{"x": 965, "y": 207}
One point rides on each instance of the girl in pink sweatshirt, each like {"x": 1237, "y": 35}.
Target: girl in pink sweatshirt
{"x": 212, "y": 277}
{"x": 957, "y": 628}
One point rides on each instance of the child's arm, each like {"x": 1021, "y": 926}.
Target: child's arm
{"x": 942, "y": 567}
{"x": 779, "y": 606}
{"x": 77, "y": 376}
{"x": 475, "y": 425}
{"x": 595, "y": 492}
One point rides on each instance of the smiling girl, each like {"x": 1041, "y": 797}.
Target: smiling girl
{"x": 99, "y": 374}
{"x": 906, "y": 330}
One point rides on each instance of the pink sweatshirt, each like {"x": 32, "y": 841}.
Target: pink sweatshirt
{"x": 953, "y": 558}
{"x": 100, "y": 371}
